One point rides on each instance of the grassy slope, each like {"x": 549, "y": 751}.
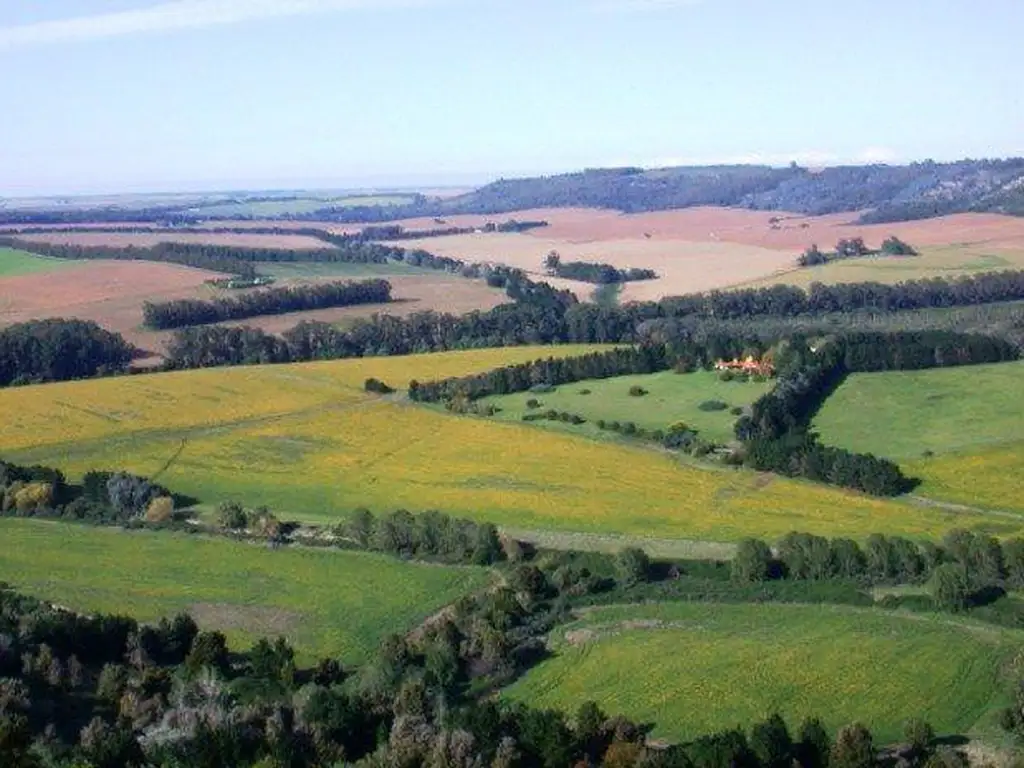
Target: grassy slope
{"x": 970, "y": 418}
{"x": 673, "y": 398}
{"x": 324, "y": 602}
{"x": 710, "y": 667}
{"x": 934, "y": 261}
{"x": 307, "y": 441}
{"x": 14, "y": 263}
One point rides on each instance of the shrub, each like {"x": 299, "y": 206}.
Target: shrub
{"x": 232, "y": 516}
{"x": 726, "y": 376}
{"x": 629, "y": 428}
{"x": 637, "y": 391}
{"x": 533, "y": 403}
{"x": 584, "y": 391}
{"x": 632, "y": 565}
{"x": 33, "y": 497}
{"x": 713, "y": 405}
{"x": 736, "y": 410}
{"x": 601, "y": 424}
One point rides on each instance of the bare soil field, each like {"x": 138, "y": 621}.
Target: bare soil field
{"x": 683, "y": 266}
{"x": 146, "y": 240}
{"x": 111, "y": 293}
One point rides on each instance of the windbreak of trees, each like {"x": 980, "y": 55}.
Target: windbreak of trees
{"x": 272, "y": 301}
{"x": 549, "y": 372}
{"x": 60, "y": 350}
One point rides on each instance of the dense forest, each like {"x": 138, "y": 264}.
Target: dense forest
{"x": 886, "y": 192}
{"x": 59, "y": 350}
{"x": 271, "y": 301}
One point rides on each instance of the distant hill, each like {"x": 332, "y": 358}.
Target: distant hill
{"x": 887, "y": 192}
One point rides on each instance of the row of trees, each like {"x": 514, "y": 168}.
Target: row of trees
{"x": 60, "y": 350}
{"x": 272, "y": 301}
{"x": 550, "y": 372}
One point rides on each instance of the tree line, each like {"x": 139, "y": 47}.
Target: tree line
{"x": 590, "y": 272}
{"x": 271, "y": 301}
{"x": 60, "y": 350}
{"x": 852, "y": 248}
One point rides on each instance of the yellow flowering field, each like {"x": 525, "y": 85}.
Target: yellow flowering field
{"x": 991, "y": 478}
{"x": 308, "y": 442}
{"x": 741, "y": 663}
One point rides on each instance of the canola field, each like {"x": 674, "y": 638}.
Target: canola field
{"x": 323, "y": 602}
{"x": 306, "y": 441}
{"x": 745, "y": 662}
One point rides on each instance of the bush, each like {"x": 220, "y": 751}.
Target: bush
{"x": 736, "y": 410}
{"x": 160, "y": 510}
{"x": 628, "y": 428}
{"x": 232, "y": 516}
{"x": 584, "y": 391}
{"x": 378, "y": 387}
{"x": 601, "y": 424}
{"x": 726, "y": 376}
{"x": 632, "y": 565}
{"x": 637, "y": 391}
{"x": 533, "y": 403}
{"x": 713, "y": 405}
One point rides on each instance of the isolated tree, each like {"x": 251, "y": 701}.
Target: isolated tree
{"x": 552, "y": 262}
{"x": 752, "y": 561}
{"x": 853, "y": 748}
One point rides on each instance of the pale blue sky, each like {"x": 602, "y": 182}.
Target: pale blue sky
{"x": 109, "y": 95}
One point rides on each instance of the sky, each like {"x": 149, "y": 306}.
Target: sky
{"x": 161, "y": 95}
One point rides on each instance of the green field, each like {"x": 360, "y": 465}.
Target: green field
{"x": 902, "y": 414}
{"x": 945, "y": 261}
{"x": 13, "y": 263}
{"x": 671, "y": 398}
{"x": 315, "y": 270}
{"x": 693, "y": 669}
{"x": 959, "y": 430}
{"x": 324, "y": 602}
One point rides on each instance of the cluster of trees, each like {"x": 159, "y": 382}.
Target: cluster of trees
{"x": 551, "y": 372}
{"x": 398, "y": 232}
{"x": 60, "y": 350}
{"x": 272, "y": 301}
{"x": 102, "y": 498}
{"x": 590, "y": 272}
{"x": 852, "y": 248}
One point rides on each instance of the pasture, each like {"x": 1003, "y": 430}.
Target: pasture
{"x": 696, "y": 668}
{"x": 308, "y": 442}
{"x": 325, "y": 602}
{"x": 14, "y": 263}
{"x": 903, "y": 414}
{"x": 672, "y": 398}
{"x": 960, "y": 430}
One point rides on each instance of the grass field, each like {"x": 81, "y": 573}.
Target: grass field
{"x": 970, "y": 418}
{"x": 316, "y": 270}
{"x": 13, "y": 263}
{"x": 902, "y": 414}
{"x": 672, "y": 398}
{"x": 307, "y": 441}
{"x": 693, "y": 669}
{"x": 934, "y": 261}
{"x": 299, "y": 206}
{"x": 324, "y": 602}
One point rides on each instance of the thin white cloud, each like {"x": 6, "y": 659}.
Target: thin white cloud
{"x": 177, "y": 15}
